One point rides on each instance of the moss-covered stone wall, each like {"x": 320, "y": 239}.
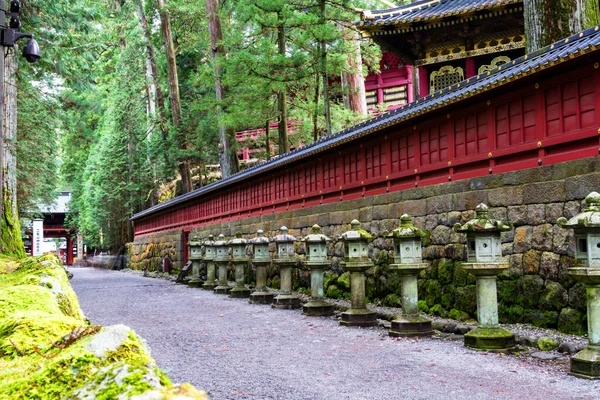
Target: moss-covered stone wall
{"x": 149, "y": 251}
{"x": 535, "y": 289}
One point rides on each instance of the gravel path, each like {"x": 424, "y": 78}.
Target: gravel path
{"x": 235, "y": 350}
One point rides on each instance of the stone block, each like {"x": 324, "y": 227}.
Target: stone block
{"x": 536, "y": 214}
{"x": 571, "y": 321}
{"x": 507, "y": 249}
{"x": 457, "y": 252}
{"x": 577, "y": 297}
{"x": 553, "y": 297}
{"x": 433, "y": 252}
{"x": 530, "y": 290}
{"x": 544, "y": 192}
{"x": 441, "y": 235}
{"x": 414, "y": 208}
{"x": 381, "y": 212}
{"x": 517, "y": 215}
{"x": 469, "y": 200}
{"x": 549, "y": 266}
{"x": 454, "y": 217}
{"x": 486, "y": 182}
{"x": 365, "y": 214}
{"x": 542, "y": 237}
{"x": 553, "y": 212}
{"x": 516, "y": 262}
{"x": 577, "y": 187}
{"x": 466, "y": 216}
{"x": 505, "y": 196}
{"x": 563, "y": 240}
{"x": 572, "y": 208}
{"x": 440, "y": 204}
{"x": 431, "y": 221}
{"x": 500, "y": 213}
{"x": 531, "y": 261}
{"x": 522, "y": 240}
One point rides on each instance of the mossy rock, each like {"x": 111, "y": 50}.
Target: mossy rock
{"x": 333, "y": 292}
{"x": 447, "y": 300}
{"x": 572, "y": 321}
{"x": 433, "y": 292}
{"x": 530, "y": 290}
{"x": 510, "y": 314}
{"x": 343, "y": 281}
{"x": 391, "y": 300}
{"x": 546, "y": 344}
{"x": 458, "y": 315}
{"x": 461, "y": 277}
{"x": 508, "y": 293}
{"x": 553, "y": 297}
{"x": 466, "y": 299}
{"x": 577, "y": 297}
{"x": 423, "y": 307}
{"x": 541, "y": 319}
{"x": 438, "y": 310}
{"x": 445, "y": 271}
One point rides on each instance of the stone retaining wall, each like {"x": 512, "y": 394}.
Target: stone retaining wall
{"x": 149, "y": 251}
{"x": 535, "y": 289}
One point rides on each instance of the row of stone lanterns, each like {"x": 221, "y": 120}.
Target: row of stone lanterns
{"x": 484, "y": 261}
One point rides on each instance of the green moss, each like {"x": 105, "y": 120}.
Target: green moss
{"x": 391, "y": 300}
{"x": 333, "y": 292}
{"x": 553, "y": 297}
{"x": 572, "y": 321}
{"x": 423, "y": 307}
{"x": 445, "y": 271}
{"x": 512, "y": 314}
{"x": 530, "y": 290}
{"x": 433, "y": 292}
{"x": 343, "y": 282}
{"x": 466, "y": 299}
{"x": 458, "y": 315}
{"x": 438, "y": 310}
{"x": 508, "y": 293}
{"x": 12, "y": 243}
{"x": 541, "y": 319}
{"x": 546, "y": 344}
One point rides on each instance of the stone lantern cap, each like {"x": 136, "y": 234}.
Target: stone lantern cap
{"x": 589, "y": 218}
{"x": 220, "y": 241}
{"x": 407, "y": 230}
{"x": 316, "y": 236}
{"x": 483, "y": 223}
{"x": 194, "y": 242}
{"x": 260, "y": 238}
{"x": 238, "y": 240}
{"x": 210, "y": 241}
{"x": 284, "y": 236}
{"x": 355, "y": 233}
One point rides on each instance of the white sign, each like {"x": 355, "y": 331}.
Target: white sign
{"x": 38, "y": 237}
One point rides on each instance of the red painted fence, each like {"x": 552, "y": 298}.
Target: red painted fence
{"x": 537, "y": 123}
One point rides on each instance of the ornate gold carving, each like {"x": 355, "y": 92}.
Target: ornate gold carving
{"x": 539, "y": 144}
{"x": 445, "y": 76}
{"x": 496, "y": 62}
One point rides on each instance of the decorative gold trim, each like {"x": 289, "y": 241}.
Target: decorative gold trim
{"x": 416, "y": 171}
{"x": 539, "y": 144}
{"x": 537, "y": 86}
{"x": 488, "y": 102}
{"x": 449, "y": 163}
{"x": 596, "y": 65}
{"x": 490, "y": 155}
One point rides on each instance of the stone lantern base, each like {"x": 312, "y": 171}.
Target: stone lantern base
{"x": 317, "y": 308}
{"x": 240, "y": 292}
{"x": 482, "y": 338}
{"x": 586, "y": 364}
{"x": 358, "y": 317}
{"x": 411, "y": 326}
{"x": 286, "y": 302}
{"x": 209, "y": 285}
{"x": 222, "y": 290}
{"x": 195, "y": 283}
{"x": 261, "y": 298}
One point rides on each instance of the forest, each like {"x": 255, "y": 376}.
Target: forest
{"x": 136, "y": 101}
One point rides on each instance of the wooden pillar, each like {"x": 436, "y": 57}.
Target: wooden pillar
{"x": 469, "y": 68}
{"x": 410, "y": 84}
{"x": 69, "y": 250}
{"x": 379, "y": 89}
{"x": 423, "y": 81}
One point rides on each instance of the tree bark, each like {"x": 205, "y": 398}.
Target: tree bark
{"x": 323, "y": 65}
{"x": 282, "y": 128}
{"x": 267, "y": 139}
{"x": 11, "y": 241}
{"x": 353, "y": 80}
{"x": 227, "y": 156}
{"x": 165, "y": 24}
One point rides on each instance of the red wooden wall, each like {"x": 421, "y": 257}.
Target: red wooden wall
{"x": 542, "y": 123}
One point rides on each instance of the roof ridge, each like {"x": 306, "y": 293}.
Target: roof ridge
{"x": 466, "y": 88}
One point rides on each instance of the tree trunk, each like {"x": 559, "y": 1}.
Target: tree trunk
{"x": 160, "y": 99}
{"x": 165, "y": 24}
{"x": 547, "y": 21}
{"x": 315, "y": 116}
{"x": 353, "y": 80}
{"x": 282, "y": 128}
{"x": 12, "y": 243}
{"x": 267, "y": 139}
{"x": 323, "y": 65}
{"x": 227, "y": 156}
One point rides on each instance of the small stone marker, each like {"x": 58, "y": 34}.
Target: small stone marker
{"x": 408, "y": 262}
{"x": 195, "y": 247}
{"x": 484, "y": 255}
{"x": 222, "y": 261}
{"x": 285, "y": 260}
{"x": 184, "y": 272}
{"x": 356, "y": 261}
{"x": 209, "y": 258}
{"x": 586, "y": 363}
{"x": 317, "y": 261}
{"x": 260, "y": 260}
{"x": 239, "y": 259}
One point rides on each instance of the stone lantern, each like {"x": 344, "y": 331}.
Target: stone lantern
{"x": 196, "y": 258}
{"x": 209, "y": 258}
{"x": 408, "y": 262}
{"x": 356, "y": 261}
{"x": 261, "y": 260}
{"x": 317, "y": 261}
{"x": 239, "y": 259}
{"x": 586, "y": 363}
{"x": 222, "y": 261}
{"x": 285, "y": 260}
{"x": 484, "y": 260}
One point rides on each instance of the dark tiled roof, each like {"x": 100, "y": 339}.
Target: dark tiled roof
{"x": 557, "y": 53}
{"x": 428, "y": 10}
